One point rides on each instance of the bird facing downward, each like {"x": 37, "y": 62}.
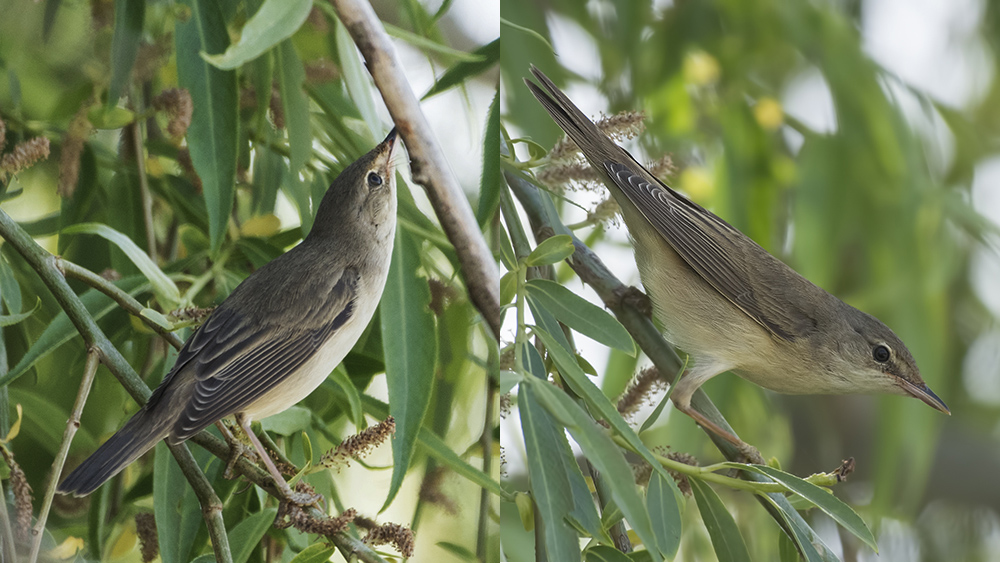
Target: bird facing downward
{"x": 727, "y": 302}
{"x": 279, "y": 334}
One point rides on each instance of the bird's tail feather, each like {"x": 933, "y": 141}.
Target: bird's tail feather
{"x": 564, "y": 112}
{"x": 138, "y": 436}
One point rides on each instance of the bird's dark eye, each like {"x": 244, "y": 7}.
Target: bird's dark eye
{"x": 374, "y": 180}
{"x": 881, "y": 354}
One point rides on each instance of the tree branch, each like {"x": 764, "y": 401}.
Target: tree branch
{"x": 72, "y": 425}
{"x": 428, "y": 164}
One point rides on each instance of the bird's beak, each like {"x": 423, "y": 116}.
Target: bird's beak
{"x": 924, "y": 393}
{"x": 390, "y": 139}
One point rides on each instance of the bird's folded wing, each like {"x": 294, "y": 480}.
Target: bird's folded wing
{"x": 236, "y": 359}
{"x": 697, "y": 235}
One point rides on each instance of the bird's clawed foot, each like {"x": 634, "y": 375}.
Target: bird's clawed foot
{"x": 303, "y": 495}
{"x": 749, "y": 454}
{"x": 237, "y": 449}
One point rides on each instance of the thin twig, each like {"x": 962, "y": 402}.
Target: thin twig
{"x": 72, "y": 425}
{"x": 126, "y": 301}
{"x": 428, "y": 164}
{"x": 486, "y": 445}
{"x": 135, "y": 130}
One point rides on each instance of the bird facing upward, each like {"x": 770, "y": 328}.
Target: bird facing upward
{"x": 279, "y": 334}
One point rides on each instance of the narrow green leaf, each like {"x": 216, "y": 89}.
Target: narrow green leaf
{"x": 533, "y": 362}
{"x": 11, "y": 320}
{"x": 662, "y": 505}
{"x": 289, "y": 421}
{"x": 307, "y": 449}
{"x": 548, "y": 323}
{"x": 426, "y": 44}
{"x": 275, "y": 21}
{"x": 318, "y": 552}
{"x": 802, "y": 534}
{"x": 487, "y": 56}
{"x": 490, "y": 183}
{"x": 552, "y": 250}
{"x": 811, "y": 546}
{"x": 651, "y": 420}
{"x": 507, "y": 255}
{"x": 508, "y": 287}
{"x": 48, "y": 22}
{"x": 598, "y": 403}
{"x": 581, "y": 315}
{"x": 164, "y": 287}
{"x": 584, "y": 514}
{"x": 129, "y": 18}
{"x": 291, "y": 76}
{"x": 10, "y": 290}
{"x": 825, "y": 500}
{"x": 528, "y": 31}
{"x": 44, "y": 421}
{"x": 175, "y": 506}
{"x": 461, "y": 552}
{"x": 726, "y": 537}
{"x": 340, "y": 377}
{"x": 786, "y": 548}
{"x": 356, "y": 79}
{"x": 97, "y": 524}
{"x": 213, "y": 136}
{"x": 243, "y": 539}
{"x": 603, "y": 453}
{"x": 549, "y": 482}
{"x": 410, "y": 345}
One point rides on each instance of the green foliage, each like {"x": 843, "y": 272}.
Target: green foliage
{"x": 281, "y": 102}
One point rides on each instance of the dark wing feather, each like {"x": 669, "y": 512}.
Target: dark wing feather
{"x": 695, "y": 234}
{"x": 236, "y": 359}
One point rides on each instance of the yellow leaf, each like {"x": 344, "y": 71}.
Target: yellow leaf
{"x": 67, "y": 549}
{"x": 154, "y": 167}
{"x": 700, "y": 68}
{"x": 768, "y": 113}
{"x": 15, "y": 428}
{"x": 698, "y": 184}
{"x": 125, "y": 543}
{"x": 261, "y": 226}
{"x": 526, "y": 510}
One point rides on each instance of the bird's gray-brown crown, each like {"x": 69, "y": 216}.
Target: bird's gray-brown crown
{"x": 367, "y": 197}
